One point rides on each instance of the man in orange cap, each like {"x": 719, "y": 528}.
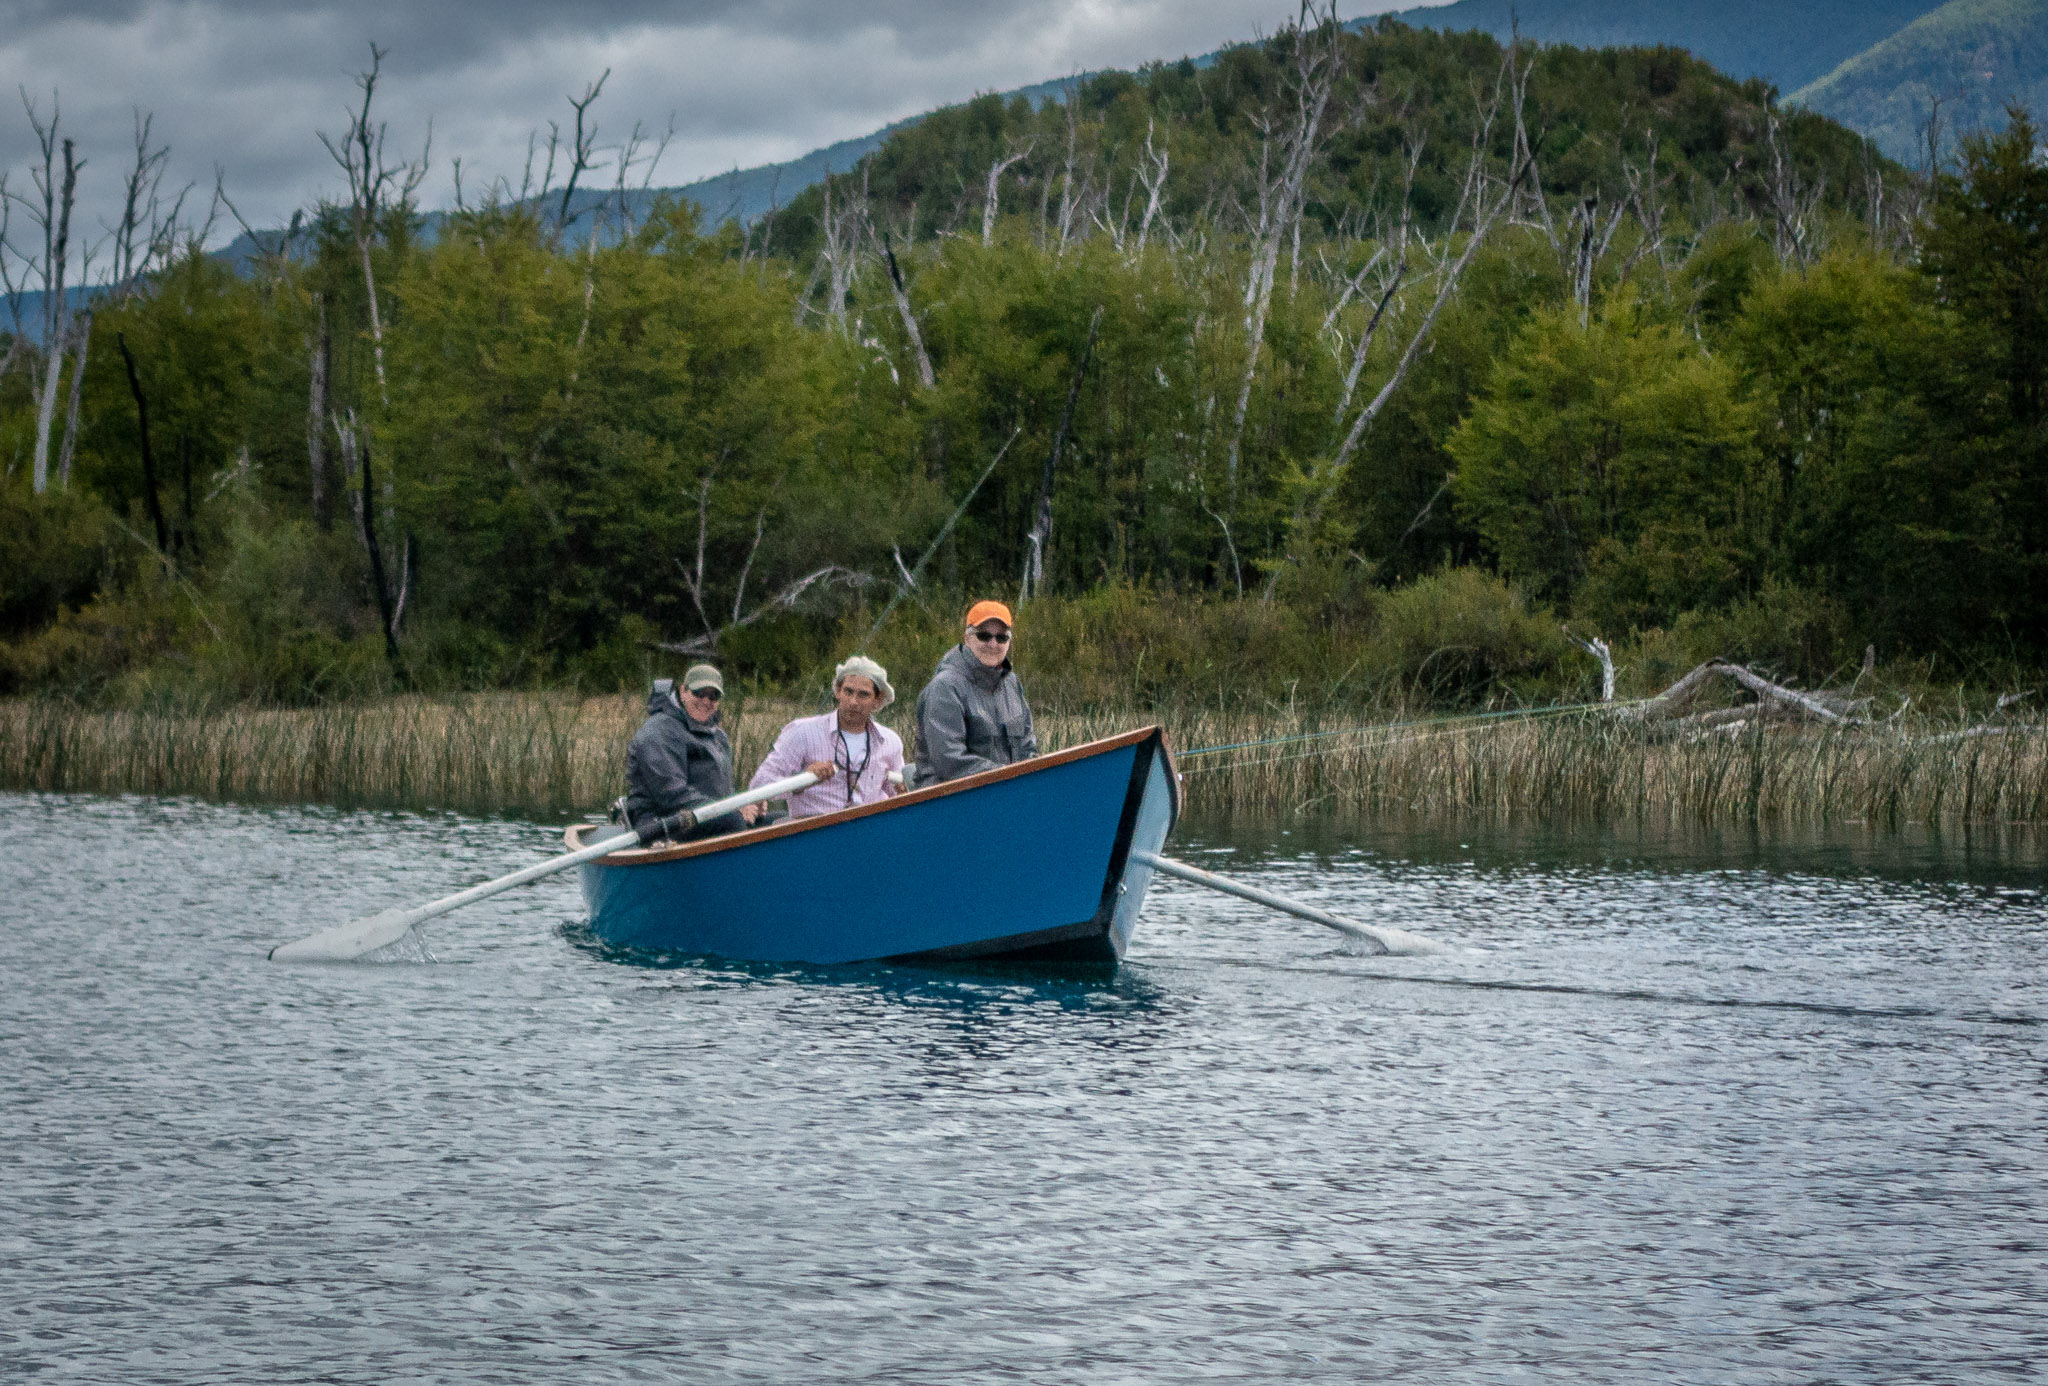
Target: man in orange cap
{"x": 972, "y": 715}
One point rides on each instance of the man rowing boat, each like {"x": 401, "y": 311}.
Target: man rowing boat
{"x": 681, "y": 758}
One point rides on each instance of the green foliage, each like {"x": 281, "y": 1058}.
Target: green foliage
{"x": 1785, "y": 628}
{"x": 55, "y": 549}
{"x": 1463, "y": 635}
{"x": 1966, "y": 58}
{"x": 1613, "y": 469}
{"x": 579, "y": 455}
{"x": 283, "y": 629}
{"x": 1590, "y": 111}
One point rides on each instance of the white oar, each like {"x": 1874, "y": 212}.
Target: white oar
{"x": 345, "y": 942}
{"x": 1389, "y": 940}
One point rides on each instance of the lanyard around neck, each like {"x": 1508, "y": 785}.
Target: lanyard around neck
{"x": 842, "y": 757}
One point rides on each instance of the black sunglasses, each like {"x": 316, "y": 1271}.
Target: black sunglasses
{"x": 993, "y": 637}
{"x": 709, "y": 695}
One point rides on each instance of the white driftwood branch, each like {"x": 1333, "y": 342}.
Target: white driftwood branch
{"x": 1774, "y": 702}
{"x": 787, "y": 597}
{"x": 1597, "y": 648}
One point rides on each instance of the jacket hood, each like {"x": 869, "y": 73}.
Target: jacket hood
{"x": 961, "y": 660}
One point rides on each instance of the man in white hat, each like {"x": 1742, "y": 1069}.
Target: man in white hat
{"x": 847, "y": 749}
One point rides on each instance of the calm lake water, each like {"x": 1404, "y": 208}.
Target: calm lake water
{"x": 1703, "y": 1110}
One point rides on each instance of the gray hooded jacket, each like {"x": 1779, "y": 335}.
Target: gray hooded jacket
{"x": 675, "y": 762}
{"x": 971, "y": 717}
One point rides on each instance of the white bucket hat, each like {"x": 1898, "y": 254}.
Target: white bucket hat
{"x": 860, "y": 666}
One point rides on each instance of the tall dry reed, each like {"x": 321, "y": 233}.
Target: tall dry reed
{"x": 558, "y": 754}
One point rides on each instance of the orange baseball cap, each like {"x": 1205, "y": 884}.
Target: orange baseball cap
{"x": 989, "y": 611}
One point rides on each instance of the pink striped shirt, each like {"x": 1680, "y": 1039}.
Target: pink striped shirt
{"x": 810, "y": 739}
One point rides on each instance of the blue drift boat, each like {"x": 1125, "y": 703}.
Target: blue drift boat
{"x": 1045, "y": 860}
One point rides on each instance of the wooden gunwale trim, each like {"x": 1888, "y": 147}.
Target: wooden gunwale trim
{"x": 635, "y": 856}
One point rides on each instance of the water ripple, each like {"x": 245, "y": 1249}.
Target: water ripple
{"x": 1699, "y": 1112}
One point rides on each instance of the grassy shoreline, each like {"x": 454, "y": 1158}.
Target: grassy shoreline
{"x": 557, "y": 754}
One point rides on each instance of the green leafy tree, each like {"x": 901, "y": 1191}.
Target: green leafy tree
{"x": 1613, "y": 469}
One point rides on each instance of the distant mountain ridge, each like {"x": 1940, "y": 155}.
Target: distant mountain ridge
{"x": 1874, "y": 65}
{"x": 1786, "y": 42}
{"x": 1972, "y": 56}
{"x": 1789, "y": 43}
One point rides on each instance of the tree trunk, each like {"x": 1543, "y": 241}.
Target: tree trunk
{"x": 910, "y": 329}
{"x": 46, "y": 408}
{"x": 988, "y": 205}
{"x": 56, "y": 328}
{"x": 156, "y": 508}
{"x": 70, "y": 449}
{"x": 366, "y": 508}
{"x": 318, "y": 349}
{"x": 376, "y": 323}
{"x": 1040, "y": 537}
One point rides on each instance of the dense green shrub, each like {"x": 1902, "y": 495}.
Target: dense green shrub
{"x": 55, "y": 550}
{"x": 1464, "y": 635}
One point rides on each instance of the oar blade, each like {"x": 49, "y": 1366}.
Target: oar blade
{"x": 1382, "y": 938}
{"x": 1397, "y": 942}
{"x": 348, "y": 942}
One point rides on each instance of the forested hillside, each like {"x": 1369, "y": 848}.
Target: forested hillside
{"x": 1965, "y": 61}
{"x": 1786, "y": 42}
{"x": 1390, "y": 350}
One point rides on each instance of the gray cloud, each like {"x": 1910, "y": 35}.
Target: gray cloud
{"x": 245, "y": 85}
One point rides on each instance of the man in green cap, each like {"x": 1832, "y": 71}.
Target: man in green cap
{"x": 681, "y": 758}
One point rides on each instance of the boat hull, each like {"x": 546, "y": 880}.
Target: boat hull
{"x": 1028, "y": 862}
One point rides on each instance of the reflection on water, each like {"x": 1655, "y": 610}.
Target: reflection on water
{"x": 1703, "y": 1107}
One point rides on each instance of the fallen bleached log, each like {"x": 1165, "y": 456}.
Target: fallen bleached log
{"x": 1774, "y": 702}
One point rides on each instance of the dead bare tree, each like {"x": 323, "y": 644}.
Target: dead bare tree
{"x": 355, "y": 456}
{"x": 996, "y": 171}
{"x": 1072, "y": 108}
{"x": 1774, "y": 702}
{"x": 149, "y": 489}
{"x": 1794, "y": 204}
{"x": 54, "y": 175}
{"x": 146, "y": 236}
{"x": 1600, "y": 651}
{"x": 81, "y": 339}
{"x": 1040, "y": 536}
{"x": 319, "y": 355}
{"x": 374, "y": 188}
{"x": 783, "y": 599}
{"x": 1486, "y": 199}
{"x": 643, "y": 151}
{"x": 582, "y": 149}
{"x": 840, "y": 254}
{"x": 1593, "y": 241}
{"x": 1390, "y": 266}
{"x": 1646, "y": 196}
{"x": 1285, "y": 156}
{"x": 1152, "y": 175}
{"x": 901, "y": 294}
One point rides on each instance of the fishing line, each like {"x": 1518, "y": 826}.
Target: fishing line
{"x": 1426, "y": 729}
{"x": 1448, "y": 720}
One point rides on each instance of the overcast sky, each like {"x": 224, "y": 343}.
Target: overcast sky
{"x": 248, "y": 84}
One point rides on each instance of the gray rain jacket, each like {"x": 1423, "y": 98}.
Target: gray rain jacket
{"x": 971, "y": 717}
{"x": 675, "y": 762}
